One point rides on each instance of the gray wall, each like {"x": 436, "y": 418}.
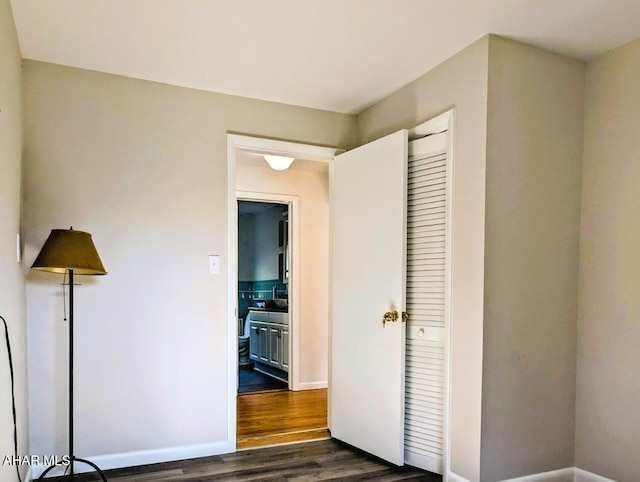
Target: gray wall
{"x": 532, "y": 225}
{"x": 143, "y": 167}
{"x": 460, "y": 82}
{"x": 12, "y": 292}
{"x": 608, "y": 383}
{"x": 519, "y": 115}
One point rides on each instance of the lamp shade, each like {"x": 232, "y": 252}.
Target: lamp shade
{"x": 67, "y": 249}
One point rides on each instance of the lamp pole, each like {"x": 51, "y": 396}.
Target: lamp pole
{"x": 73, "y": 458}
{"x": 71, "y": 453}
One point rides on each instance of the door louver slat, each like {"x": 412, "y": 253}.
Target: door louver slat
{"x": 425, "y": 301}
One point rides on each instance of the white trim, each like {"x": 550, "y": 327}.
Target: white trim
{"x": 260, "y": 145}
{"x": 312, "y": 385}
{"x": 232, "y": 294}
{"x": 571, "y": 473}
{"x": 453, "y": 477}
{"x": 294, "y": 286}
{"x": 143, "y": 457}
{"x": 553, "y": 475}
{"x": 585, "y": 476}
{"x": 283, "y": 148}
{"x": 449, "y": 302}
{"x": 436, "y": 125}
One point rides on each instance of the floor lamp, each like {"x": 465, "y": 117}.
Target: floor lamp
{"x": 73, "y": 252}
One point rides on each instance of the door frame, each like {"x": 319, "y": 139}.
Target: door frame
{"x": 260, "y": 145}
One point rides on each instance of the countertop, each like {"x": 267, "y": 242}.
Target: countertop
{"x": 274, "y": 310}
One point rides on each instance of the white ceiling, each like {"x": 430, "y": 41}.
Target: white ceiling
{"x": 339, "y": 55}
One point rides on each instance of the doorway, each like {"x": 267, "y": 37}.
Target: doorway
{"x": 305, "y": 377}
{"x": 263, "y": 296}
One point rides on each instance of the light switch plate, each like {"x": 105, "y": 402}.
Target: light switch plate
{"x": 214, "y": 264}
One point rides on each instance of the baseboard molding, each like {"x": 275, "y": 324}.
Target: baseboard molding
{"x": 584, "y": 476}
{"x": 453, "y": 477}
{"x": 312, "y": 385}
{"x": 562, "y": 475}
{"x": 571, "y": 474}
{"x": 144, "y": 457}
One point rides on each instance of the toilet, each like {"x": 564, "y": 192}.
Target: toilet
{"x": 243, "y": 342}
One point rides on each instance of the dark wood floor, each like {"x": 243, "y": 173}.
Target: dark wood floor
{"x": 305, "y": 462}
{"x": 252, "y": 381}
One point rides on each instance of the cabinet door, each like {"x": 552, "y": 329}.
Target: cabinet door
{"x": 263, "y": 343}
{"x": 254, "y": 341}
{"x": 284, "y": 343}
{"x": 274, "y": 345}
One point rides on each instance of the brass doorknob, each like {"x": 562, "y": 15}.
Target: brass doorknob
{"x": 389, "y": 316}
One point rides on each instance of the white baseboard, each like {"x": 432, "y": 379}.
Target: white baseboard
{"x": 312, "y": 385}
{"x": 453, "y": 477}
{"x": 571, "y": 474}
{"x": 562, "y": 475}
{"x": 143, "y": 457}
{"x": 584, "y": 476}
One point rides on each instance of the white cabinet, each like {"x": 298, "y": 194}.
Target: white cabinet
{"x": 275, "y": 345}
{"x": 259, "y": 341}
{"x": 269, "y": 344}
{"x": 284, "y": 358}
{"x": 254, "y": 341}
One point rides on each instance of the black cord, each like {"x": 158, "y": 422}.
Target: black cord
{"x": 13, "y": 398}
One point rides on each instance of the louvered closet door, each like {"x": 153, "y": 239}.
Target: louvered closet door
{"x": 425, "y": 295}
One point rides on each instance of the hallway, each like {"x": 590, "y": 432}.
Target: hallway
{"x": 281, "y": 417}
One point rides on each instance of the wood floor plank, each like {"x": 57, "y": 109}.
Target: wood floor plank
{"x": 327, "y": 460}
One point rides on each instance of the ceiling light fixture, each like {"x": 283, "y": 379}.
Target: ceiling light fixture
{"x": 279, "y": 163}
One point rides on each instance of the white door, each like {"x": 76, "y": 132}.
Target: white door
{"x": 368, "y": 242}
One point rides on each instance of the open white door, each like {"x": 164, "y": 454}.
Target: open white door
{"x": 368, "y": 233}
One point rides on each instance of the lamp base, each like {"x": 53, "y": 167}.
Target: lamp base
{"x": 71, "y": 476}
